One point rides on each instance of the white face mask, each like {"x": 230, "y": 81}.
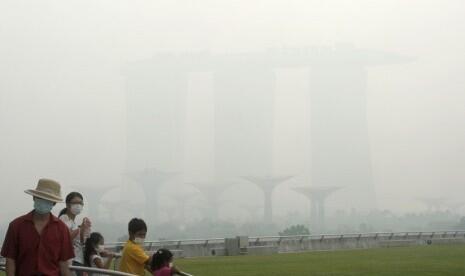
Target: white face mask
{"x": 76, "y": 209}
{"x": 100, "y": 248}
{"x": 139, "y": 241}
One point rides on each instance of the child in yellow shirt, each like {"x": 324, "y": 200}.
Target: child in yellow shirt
{"x": 134, "y": 259}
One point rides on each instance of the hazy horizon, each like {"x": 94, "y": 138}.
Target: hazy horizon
{"x": 65, "y": 87}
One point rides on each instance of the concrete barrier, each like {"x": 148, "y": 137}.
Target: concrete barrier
{"x": 397, "y": 243}
{"x": 447, "y": 241}
{"x": 262, "y": 250}
{"x": 232, "y": 246}
{"x": 218, "y": 251}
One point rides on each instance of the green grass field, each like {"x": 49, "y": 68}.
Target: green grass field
{"x": 421, "y": 260}
{"x": 408, "y": 261}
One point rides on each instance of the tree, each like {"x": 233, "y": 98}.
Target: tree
{"x": 294, "y": 230}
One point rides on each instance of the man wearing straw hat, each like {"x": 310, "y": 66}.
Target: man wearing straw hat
{"x": 38, "y": 243}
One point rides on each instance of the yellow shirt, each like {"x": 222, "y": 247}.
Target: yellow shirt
{"x": 133, "y": 259}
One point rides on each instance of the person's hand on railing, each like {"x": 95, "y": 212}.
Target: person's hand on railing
{"x": 176, "y": 271}
{"x": 107, "y": 254}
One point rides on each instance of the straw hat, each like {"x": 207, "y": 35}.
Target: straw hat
{"x": 47, "y": 189}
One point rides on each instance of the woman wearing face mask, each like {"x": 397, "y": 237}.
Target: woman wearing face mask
{"x": 74, "y": 204}
{"x": 94, "y": 251}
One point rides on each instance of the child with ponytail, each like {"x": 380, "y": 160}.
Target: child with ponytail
{"x": 162, "y": 261}
{"x": 95, "y": 250}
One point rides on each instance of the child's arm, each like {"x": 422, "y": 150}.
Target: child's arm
{"x": 147, "y": 265}
{"x": 175, "y": 270}
{"x": 104, "y": 265}
{"x": 110, "y": 256}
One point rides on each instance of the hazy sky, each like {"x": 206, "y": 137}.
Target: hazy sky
{"x": 62, "y": 91}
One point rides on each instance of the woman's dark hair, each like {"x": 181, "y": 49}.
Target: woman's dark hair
{"x": 136, "y": 224}
{"x": 68, "y": 199}
{"x": 89, "y": 249}
{"x": 160, "y": 258}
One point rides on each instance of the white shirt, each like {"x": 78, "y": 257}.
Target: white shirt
{"x": 77, "y": 245}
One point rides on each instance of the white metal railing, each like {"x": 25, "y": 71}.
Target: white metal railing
{"x": 91, "y": 270}
{"x": 374, "y": 235}
{"x": 110, "y": 272}
{"x": 278, "y": 239}
{"x": 160, "y": 243}
{"x": 178, "y": 243}
{"x": 183, "y": 274}
{"x": 101, "y": 271}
